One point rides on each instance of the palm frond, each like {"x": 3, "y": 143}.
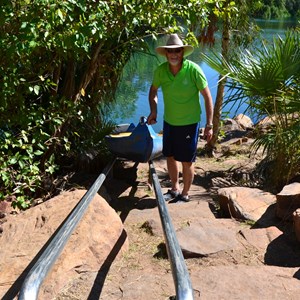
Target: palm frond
{"x": 267, "y": 80}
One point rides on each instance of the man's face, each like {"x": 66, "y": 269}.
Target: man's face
{"x": 174, "y": 56}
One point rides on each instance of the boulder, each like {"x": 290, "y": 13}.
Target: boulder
{"x": 245, "y": 203}
{"x": 230, "y": 125}
{"x": 287, "y": 201}
{"x": 296, "y": 219}
{"x": 87, "y": 249}
{"x": 232, "y": 129}
{"x": 244, "y": 121}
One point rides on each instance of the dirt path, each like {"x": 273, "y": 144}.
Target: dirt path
{"x": 144, "y": 272}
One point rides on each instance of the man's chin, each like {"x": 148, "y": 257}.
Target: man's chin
{"x": 174, "y": 63}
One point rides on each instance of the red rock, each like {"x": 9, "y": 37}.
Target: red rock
{"x": 288, "y": 200}
{"x": 245, "y": 203}
{"x": 87, "y": 249}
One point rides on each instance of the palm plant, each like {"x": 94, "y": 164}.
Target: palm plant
{"x": 267, "y": 80}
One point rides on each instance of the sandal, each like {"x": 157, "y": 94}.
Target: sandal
{"x": 170, "y": 194}
{"x": 180, "y": 199}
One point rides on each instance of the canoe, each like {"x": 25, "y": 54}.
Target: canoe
{"x": 137, "y": 143}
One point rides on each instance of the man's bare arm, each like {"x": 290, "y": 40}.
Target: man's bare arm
{"x": 153, "y": 105}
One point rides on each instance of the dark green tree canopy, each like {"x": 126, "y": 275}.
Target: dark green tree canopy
{"x": 60, "y": 61}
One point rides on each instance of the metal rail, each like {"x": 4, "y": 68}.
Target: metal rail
{"x": 35, "y": 277}
{"x": 184, "y": 290}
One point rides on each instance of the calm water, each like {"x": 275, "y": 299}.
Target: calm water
{"x": 132, "y": 98}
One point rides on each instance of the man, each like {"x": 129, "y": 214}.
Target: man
{"x": 181, "y": 81}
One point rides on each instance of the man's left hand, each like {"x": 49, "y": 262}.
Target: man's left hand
{"x": 208, "y": 133}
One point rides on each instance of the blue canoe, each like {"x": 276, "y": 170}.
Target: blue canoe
{"x": 137, "y": 143}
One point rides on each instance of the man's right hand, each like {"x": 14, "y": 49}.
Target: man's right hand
{"x": 151, "y": 119}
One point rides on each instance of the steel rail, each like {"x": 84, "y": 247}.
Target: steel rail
{"x": 36, "y": 275}
{"x": 183, "y": 286}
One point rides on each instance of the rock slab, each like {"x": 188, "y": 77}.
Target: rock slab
{"x": 207, "y": 237}
{"x": 288, "y": 200}
{"x": 87, "y": 249}
{"x": 245, "y": 203}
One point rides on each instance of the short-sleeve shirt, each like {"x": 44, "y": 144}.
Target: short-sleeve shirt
{"x": 181, "y": 92}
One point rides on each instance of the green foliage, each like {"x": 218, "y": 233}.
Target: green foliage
{"x": 267, "y": 79}
{"x": 61, "y": 62}
{"x": 276, "y": 9}
{"x": 20, "y": 176}
{"x": 293, "y": 7}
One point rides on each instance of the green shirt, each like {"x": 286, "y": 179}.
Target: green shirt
{"x": 181, "y": 92}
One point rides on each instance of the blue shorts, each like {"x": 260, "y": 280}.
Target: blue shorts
{"x": 181, "y": 141}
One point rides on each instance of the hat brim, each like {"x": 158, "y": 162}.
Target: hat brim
{"x": 187, "y": 49}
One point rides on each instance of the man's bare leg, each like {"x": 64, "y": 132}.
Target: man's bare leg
{"x": 173, "y": 170}
{"x": 188, "y": 177}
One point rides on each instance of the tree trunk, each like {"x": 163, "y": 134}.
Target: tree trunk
{"x": 220, "y": 92}
{"x": 72, "y": 92}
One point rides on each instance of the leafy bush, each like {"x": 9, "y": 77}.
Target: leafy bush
{"x": 21, "y": 176}
{"x": 61, "y": 60}
{"x": 267, "y": 79}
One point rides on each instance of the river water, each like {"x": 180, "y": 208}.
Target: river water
{"x": 132, "y": 97}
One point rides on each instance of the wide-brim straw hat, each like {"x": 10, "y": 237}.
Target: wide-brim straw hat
{"x": 174, "y": 42}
